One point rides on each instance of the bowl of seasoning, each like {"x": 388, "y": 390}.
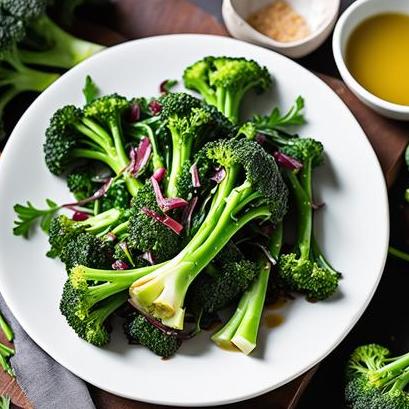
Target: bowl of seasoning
{"x": 371, "y": 50}
{"x": 291, "y": 27}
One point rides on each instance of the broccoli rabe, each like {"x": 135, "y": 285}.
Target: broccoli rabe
{"x": 375, "y": 380}
{"x": 305, "y": 269}
{"x": 139, "y": 330}
{"x": 223, "y": 82}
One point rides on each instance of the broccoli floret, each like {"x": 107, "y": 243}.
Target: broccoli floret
{"x": 88, "y": 250}
{"x": 15, "y": 76}
{"x": 375, "y": 380}
{"x": 88, "y": 291}
{"x": 252, "y": 189}
{"x": 93, "y": 134}
{"x": 242, "y": 328}
{"x": 223, "y": 81}
{"x": 306, "y": 270}
{"x": 191, "y": 123}
{"x": 117, "y": 197}
{"x": 91, "y": 324}
{"x": 49, "y": 44}
{"x": 227, "y": 277}
{"x": 139, "y": 330}
{"x": 80, "y": 183}
{"x": 62, "y": 229}
{"x": 147, "y": 234}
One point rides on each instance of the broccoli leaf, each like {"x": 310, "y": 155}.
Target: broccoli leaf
{"x": 28, "y": 215}
{"x": 90, "y": 90}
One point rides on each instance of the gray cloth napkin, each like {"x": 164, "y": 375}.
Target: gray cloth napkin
{"x": 46, "y": 383}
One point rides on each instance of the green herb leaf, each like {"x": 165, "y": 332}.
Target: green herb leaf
{"x": 5, "y": 402}
{"x": 90, "y": 90}
{"x": 294, "y": 116}
{"x": 5, "y": 327}
{"x": 27, "y": 217}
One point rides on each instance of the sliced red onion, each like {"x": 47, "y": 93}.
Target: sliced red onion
{"x": 120, "y": 265}
{"x": 134, "y": 113}
{"x": 188, "y": 212}
{"x": 110, "y": 237}
{"x": 159, "y": 174}
{"x": 167, "y": 221}
{"x": 195, "y": 175}
{"x": 218, "y": 175}
{"x": 286, "y": 161}
{"x": 261, "y": 138}
{"x": 148, "y": 257}
{"x": 101, "y": 192}
{"x": 266, "y": 252}
{"x": 166, "y": 204}
{"x": 317, "y": 206}
{"x": 80, "y": 216}
{"x": 155, "y": 107}
{"x": 140, "y": 156}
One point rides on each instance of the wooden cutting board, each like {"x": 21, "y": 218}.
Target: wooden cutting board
{"x": 140, "y": 18}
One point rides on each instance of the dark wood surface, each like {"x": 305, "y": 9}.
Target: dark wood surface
{"x": 140, "y": 18}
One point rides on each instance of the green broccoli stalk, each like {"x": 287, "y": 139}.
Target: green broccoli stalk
{"x": 398, "y": 253}
{"x": 252, "y": 189}
{"x": 55, "y": 47}
{"x": 376, "y": 381}
{"x": 5, "y": 402}
{"x": 5, "y": 354}
{"x": 306, "y": 270}
{"x": 191, "y": 124}
{"x": 140, "y": 331}
{"x": 94, "y": 134}
{"x": 223, "y": 82}
{"x": 242, "y": 328}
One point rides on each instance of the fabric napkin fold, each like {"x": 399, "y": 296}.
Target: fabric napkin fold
{"x": 46, "y": 383}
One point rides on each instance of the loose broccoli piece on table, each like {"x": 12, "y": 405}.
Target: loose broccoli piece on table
{"x": 93, "y": 134}
{"x": 49, "y": 44}
{"x": 139, "y": 330}
{"x": 227, "y": 277}
{"x": 252, "y": 189}
{"x": 306, "y": 270}
{"x": 145, "y": 233}
{"x": 15, "y": 76}
{"x": 375, "y": 380}
{"x": 191, "y": 124}
{"x": 223, "y": 81}
{"x": 242, "y": 328}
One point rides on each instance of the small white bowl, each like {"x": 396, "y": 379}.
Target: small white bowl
{"x": 350, "y": 19}
{"x": 320, "y": 15}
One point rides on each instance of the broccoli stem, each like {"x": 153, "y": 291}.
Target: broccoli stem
{"x": 66, "y": 50}
{"x": 388, "y": 372}
{"x": 304, "y": 210}
{"x": 97, "y": 223}
{"x": 5, "y": 327}
{"x": 398, "y": 253}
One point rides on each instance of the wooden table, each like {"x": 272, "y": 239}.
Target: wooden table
{"x": 140, "y": 18}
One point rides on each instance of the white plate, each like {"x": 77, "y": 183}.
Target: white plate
{"x": 353, "y": 229}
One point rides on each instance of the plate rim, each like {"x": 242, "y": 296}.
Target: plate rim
{"x": 13, "y": 306}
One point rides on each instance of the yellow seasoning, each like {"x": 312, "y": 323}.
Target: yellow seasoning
{"x": 279, "y": 21}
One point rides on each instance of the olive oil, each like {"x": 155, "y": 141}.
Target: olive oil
{"x": 377, "y": 56}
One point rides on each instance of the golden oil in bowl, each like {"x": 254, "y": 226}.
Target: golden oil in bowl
{"x": 377, "y": 56}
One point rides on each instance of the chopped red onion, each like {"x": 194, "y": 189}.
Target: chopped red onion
{"x": 286, "y": 161}
{"x": 120, "y": 265}
{"x": 167, "y": 221}
{"x": 261, "y": 138}
{"x": 159, "y": 174}
{"x": 80, "y": 216}
{"x": 188, "y": 212}
{"x": 155, "y": 107}
{"x": 195, "y": 176}
{"x": 134, "y": 113}
{"x": 148, "y": 257}
{"x": 101, "y": 192}
{"x": 317, "y": 206}
{"x": 166, "y": 204}
{"x": 218, "y": 175}
{"x": 110, "y": 237}
{"x": 140, "y": 156}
